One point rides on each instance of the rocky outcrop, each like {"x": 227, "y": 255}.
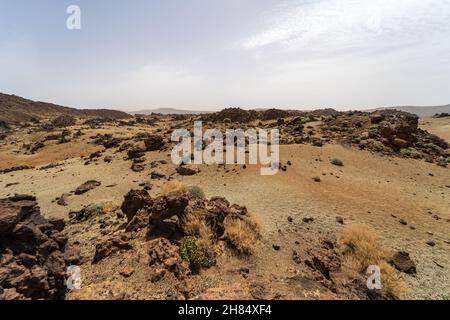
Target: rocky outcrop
{"x": 236, "y": 115}
{"x": 63, "y": 121}
{"x": 34, "y": 253}
{"x": 16, "y": 168}
{"x": 154, "y": 142}
{"x": 134, "y": 201}
{"x": 105, "y": 248}
{"x": 107, "y": 141}
{"x": 390, "y": 132}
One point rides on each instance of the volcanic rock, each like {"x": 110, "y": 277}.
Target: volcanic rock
{"x": 154, "y": 142}
{"x": 87, "y": 186}
{"x": 187, "y": 170}
{"x": 402, "y": 262}
{"x": 105, "y": 248}
{"x": 33, "y": 255}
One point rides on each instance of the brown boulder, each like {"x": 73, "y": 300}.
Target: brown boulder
{"x": 134, "y": 201}
{"x": 87, "y": 186}
{"x": 169, "y": 206}
{"x": 402, "y": 262}
{"x": 63, "y": 200}
{"x": 187, "y": 170}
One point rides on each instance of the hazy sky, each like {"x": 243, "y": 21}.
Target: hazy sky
{"x": 208, "y": 54}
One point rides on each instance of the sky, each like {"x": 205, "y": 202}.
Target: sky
{"x": 211, "y": 54}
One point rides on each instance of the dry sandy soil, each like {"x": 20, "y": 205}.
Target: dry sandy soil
{"x": 369, "y": 188}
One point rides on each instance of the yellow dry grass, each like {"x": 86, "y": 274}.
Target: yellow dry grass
{"x": 241, "y": 234}
{"x": 173, "y": 186}
{"x": 362, "y": 247}
{"x": 194, "y": 225}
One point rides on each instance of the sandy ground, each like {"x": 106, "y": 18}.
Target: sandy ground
{"x": 437, "y": 126}
{"x": 369, "y": 188}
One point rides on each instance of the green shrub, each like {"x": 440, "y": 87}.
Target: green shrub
{"x": 436, "y": 149}
{"x": 196, "y": 257}
{"x": 376, "y": 145}
{"x": 411, "y": 153}
{"x": 195, "y": 192}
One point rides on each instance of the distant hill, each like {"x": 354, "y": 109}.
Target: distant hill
{"x": 422, "y": 112}
{"x": 167, "y": 111}
{"x": 14, "y": 109}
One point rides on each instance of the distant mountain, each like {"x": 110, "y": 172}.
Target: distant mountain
{"x": 167, "y": 111}
{"x": 14, "y": 109}
{"x": 422, "y": 112}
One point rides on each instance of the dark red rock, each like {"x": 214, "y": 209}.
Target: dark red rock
{"x": 33, "y": 250}
{"x": 402, "y": 262}
{"x": 87, "y": 186}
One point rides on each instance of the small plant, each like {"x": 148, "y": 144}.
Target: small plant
{"x": 436, "y": 149}
{"x": 376, "y": 145}
{"x": 195, "y": 192}
{"x": 411, "y": 153}
{"x": 195, "y": 255}
{"x": 337, "y": 162}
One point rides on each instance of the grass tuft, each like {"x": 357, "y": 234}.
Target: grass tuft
{"x": 362, "y": 247}
{"x": 242, "y": 234}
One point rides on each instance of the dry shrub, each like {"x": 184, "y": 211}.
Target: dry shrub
{"x": 176, "y": 186}
{"x": 240, "y": 234}
{"x": 173, "y": 186}
{"x": 198, "y": 248}
{"x": 194, "y": 225}
{"x": 362, "y": 247}
{"x": 363, "y": 243}
{"x": 110, "y": 207}
{"x": 254, "y": 221}
{"x": 392, "y": 281}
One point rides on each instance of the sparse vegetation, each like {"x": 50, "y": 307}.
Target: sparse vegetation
{"x": 195, "y": 192}
{"x": 176, "y": 186}
{"x": 240, "y": 234}
{"x": 173, "y": 186}
{"x": 94, "y": 210}
{"x": 337, "y": 162}
{"x": 434, "y": 148}
{"x": 197, "y": 257}
{"x": 411, "y": 153}
{"x": 376, "y": 145}
{"x": 362, "y": 247}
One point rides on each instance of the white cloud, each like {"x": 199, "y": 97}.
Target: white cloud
{"x": 344, "y": 23}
